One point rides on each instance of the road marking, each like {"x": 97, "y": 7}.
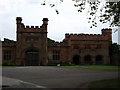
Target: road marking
{"x": 20, "y": 84}
{"x": 31, "y": 84}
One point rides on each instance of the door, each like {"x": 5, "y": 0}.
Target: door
{"x": 32, "y": 58}
{"x": 76, "y": 60}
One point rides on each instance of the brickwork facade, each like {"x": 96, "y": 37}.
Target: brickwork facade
{"x": 32, "y": 47}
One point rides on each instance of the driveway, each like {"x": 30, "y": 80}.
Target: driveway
{"x": 52, "y": 77}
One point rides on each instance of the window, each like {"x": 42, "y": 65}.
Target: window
{"x": 75, "y": 46}
{"x": 7, "y": 55}
{"x": 56, "y": 55}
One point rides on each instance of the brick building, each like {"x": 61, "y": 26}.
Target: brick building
{"x": 32, "y": 47}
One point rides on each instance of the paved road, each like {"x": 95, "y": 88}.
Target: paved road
{"x": 52, "y": 77}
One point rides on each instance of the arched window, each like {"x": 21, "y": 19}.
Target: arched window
{"x": 99, "y": 59}
{"x": 76, "y": 59}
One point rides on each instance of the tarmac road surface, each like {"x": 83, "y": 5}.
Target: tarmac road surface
{"x": 52, "y": 77}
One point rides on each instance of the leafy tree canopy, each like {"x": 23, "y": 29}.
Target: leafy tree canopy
{"x": 104, "y": 10}
{"x": 50, "y": 40}
{"x": 115, "y": 48}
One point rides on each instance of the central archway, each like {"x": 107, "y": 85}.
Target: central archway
{"x": 32, "y": 57}
{"x": 76, "y": 59}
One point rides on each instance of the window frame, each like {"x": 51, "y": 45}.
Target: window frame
{"x": 56, "y": 55}
{"x": 7, "y": 54}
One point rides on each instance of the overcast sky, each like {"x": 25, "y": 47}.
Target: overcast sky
{"x": 32, "y": 12}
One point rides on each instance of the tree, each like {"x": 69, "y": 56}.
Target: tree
{"x": 114, "y": 48}
{"x": 50, "y": 40}
{"x": 105, "y": 11}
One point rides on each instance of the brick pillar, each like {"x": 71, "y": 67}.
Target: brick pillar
{"x": 82, "y": 59}
{"x": 69, "y": 55}
{"x": 106, "y": 60}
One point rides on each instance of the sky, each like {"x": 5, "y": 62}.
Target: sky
{"x": 32, "y": 12}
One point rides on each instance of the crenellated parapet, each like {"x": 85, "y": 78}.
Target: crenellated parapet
{"x": 104, "y": 36}
{"x": 33, "y": 27}
{"x": 22, "y": 28}
{"x": 106, "y": 31}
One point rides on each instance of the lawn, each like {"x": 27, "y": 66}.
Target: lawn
{"x": 96, "y": 67}
{"x": 93, "y": 67}
{"x": 7, "y": 66}
{"x": 110, "y": 83}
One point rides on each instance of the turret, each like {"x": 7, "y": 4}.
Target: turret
{"x": 45, "y": 21}
{"x": 19, "y": 22}
{"x": 107, "y": 32}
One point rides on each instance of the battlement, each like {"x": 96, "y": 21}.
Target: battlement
{"x": 33, "y": 27}
{"x": 71, "y": 34}
{"x": 22, "y": 28}
{"x": 107, "y": 31}
{"x": 83, "y": 35}
{"x": 103, "y": 36}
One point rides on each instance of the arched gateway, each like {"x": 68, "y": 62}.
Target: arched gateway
{"x": 32, "y": 57}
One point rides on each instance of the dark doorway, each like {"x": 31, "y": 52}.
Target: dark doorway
{"x": 88, "y": 59}
{"x": 99, "y": 59}
{"x": 32, "y": 58}
{"x": 76, "y": 59}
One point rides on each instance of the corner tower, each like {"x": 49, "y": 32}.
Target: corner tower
{"x": 31, "y": 43}
{"x": 107, "y": 32}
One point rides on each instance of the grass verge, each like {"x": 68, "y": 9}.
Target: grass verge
{"x": 7, "y": 66}
{"x": 110, "y": 83}
{"x": 94, "y": 67}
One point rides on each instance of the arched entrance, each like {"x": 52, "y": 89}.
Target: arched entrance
{"x": 88, "y": 59}
{"x": 99, "y": 59}
{"x": 76, "y": 59}
{"x": 32, "y": 57}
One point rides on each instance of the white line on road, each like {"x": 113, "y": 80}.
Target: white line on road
{"x": 15, "y": 83}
